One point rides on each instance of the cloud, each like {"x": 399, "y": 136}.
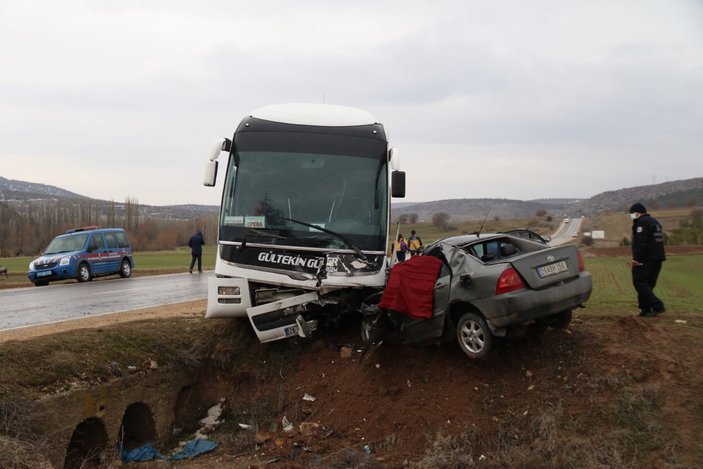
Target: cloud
{"x": 612, "y": 90}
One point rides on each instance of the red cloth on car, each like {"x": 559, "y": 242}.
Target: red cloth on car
{"x": 410, "y": 287}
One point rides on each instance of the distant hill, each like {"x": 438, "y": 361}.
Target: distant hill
{"x": 11, "y": 189}
{"x": 672, "y": 194}
{"x": 476, "y": 209}
{"x": 17, "y": 194}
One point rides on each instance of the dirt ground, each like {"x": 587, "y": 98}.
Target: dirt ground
{"x": 623, "y": 391}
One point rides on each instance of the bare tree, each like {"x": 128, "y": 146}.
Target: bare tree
{"x": 441, "y": 219}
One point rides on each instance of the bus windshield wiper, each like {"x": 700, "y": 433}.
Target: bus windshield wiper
{"x": 266, "y": 233}
{"x": 356, "y": 250}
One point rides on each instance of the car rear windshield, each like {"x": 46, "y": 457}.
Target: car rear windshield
{"x": 66, "y": 243}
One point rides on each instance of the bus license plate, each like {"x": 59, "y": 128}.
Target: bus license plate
{"x": 552, "y": 269}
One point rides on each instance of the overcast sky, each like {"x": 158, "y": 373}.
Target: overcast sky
{"x": 509, "y": 99}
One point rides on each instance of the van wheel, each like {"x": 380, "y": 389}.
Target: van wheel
{"x": 41, "y": 283}
{"x": 474, "y": 336}
{"x": 125, "y": 269}
{"x": 84, "y": 274}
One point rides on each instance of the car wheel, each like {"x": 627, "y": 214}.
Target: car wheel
{"x": 562, "y": 319}
{"x": 373, "y": 328}
{"x": 84, "y": 274}
{"x": 125, "y": 269}
{"x": 474, "y": 336}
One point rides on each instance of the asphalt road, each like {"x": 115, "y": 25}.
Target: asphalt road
{"x": 21, "y": 307}
{"x": 567, "y": 232}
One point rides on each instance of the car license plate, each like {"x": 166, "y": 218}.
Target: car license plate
{"x": 45, "y": 273}
{"x": 552, "y": 269}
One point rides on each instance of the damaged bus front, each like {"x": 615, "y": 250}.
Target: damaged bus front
{"x": 304, "y": 219}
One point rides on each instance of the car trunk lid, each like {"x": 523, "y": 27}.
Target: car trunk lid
{"x": 547, "y": 266}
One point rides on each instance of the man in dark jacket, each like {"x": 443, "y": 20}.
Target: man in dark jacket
{"x": 647, "y": 258}
{"x": 196, "y": 243}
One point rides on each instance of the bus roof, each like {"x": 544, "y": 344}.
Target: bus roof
{"x": 327, "y": 115}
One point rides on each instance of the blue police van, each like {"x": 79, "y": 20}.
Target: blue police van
{"x": 83, "y": 253}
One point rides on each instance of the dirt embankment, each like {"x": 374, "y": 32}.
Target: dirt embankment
{"x": 607, "y": 392}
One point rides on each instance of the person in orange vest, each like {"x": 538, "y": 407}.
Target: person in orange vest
{"x": 400, "y": 248}
{"x": 414, "y": 243}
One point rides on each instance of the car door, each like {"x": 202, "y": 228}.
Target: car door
{"x": 111, "y": 257}
{"x": 96, "y": 249}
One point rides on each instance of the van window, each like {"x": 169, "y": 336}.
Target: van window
{"x": 98, "y": 241}
{"x": 122, "y": 240}
{"x": 66, "y": 243}
{"x": 111, "y": 241}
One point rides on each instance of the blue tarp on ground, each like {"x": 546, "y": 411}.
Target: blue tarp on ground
{"x": 141, "y": 454}
{"x": 194, "y": 448}
{"x": 148, "y": 453}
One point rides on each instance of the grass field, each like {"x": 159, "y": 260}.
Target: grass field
{"x": 680, "y": 285}
{"x": 146, "y": 263}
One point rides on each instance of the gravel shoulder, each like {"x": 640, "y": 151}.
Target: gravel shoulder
{"x": 190, "y": 308}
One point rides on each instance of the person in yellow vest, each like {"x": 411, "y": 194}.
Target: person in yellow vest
{"x": 414, "y": 243}
{"x": 400, "y": 248}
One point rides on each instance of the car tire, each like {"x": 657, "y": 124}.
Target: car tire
{"x": 374, "y": 329}
{"x": 474, "y": 336}
{"x": 560, "y": 320}
{"x": 125, "y": 269}
{"x": 84, "y": 273}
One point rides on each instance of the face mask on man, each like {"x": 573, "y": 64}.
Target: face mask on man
{"x": 634, "y": 216}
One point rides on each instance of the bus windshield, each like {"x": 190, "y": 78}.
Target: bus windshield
{"x": 267, "y": 194}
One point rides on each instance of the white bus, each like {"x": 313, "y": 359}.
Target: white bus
{"x": 304, "y": 219}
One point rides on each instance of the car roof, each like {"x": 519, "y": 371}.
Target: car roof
{"x": 469, "y": 238}
{"x": 90, "y": 230}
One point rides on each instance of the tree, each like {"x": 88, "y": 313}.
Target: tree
{"x": 541, "y": 212}
{"x": 131, "y": 206}
{"x": 440, "y": 219}
{"x": 403, "y": 219}
{"x": 412, "y": 218}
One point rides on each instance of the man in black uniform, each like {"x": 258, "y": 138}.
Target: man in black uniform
{"x": 647, "y": 257}
{"x": 196, "y": 243}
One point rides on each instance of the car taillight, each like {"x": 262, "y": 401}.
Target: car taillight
{"x": 580, "y": 258}
{"x": 509, "y": 281}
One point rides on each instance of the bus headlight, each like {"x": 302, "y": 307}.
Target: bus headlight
{"x": 228, "y": 291}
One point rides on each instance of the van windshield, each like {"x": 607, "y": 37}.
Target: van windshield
{"x": 66, "y": 243}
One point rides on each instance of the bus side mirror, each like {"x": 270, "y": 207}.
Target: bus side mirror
{"x": 394, "y": 158}
{"x": 221, "y": 144}
{"x": 210, "y": 174}
{"x": 398, "y": 184}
